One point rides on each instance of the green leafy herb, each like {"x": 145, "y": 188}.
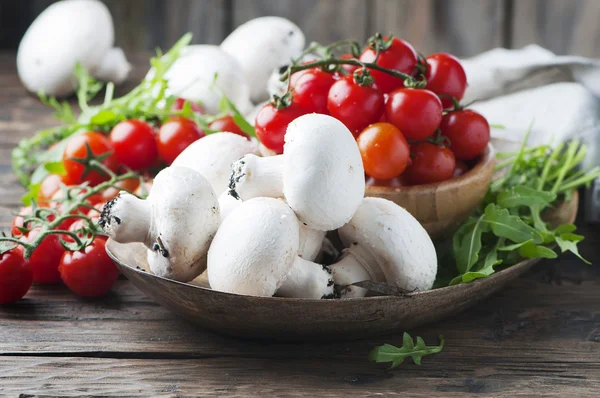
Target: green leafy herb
{"x": 227, "y": 106}
{"x": 395, "y": 355}
{"x": 509, "y": 227}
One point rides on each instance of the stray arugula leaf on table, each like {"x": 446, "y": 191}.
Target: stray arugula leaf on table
{"x": 397, "y": 355}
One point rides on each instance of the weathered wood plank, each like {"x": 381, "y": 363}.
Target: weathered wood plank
{"x": 251, "y": 377}
{"x": 322, "y": 21}
{"x": 461, "y": 27}
{"x": 565, "y": 27}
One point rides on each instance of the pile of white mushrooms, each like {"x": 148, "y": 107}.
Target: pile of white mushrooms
{"x": 257, "y": 224}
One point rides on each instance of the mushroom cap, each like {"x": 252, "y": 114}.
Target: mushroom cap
{"x": 261, "y": 45}
{"x": 213, "y": 155}
{"x": 324, "y": 177}
{"x": 185, "y": 216}
{"x": 399, "y": 249}
{"x": 64, "y": 33}
{"x": 192, "y": 76}
{"x": 254, "y": 249}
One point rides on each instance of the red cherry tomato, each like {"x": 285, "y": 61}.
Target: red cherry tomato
{"x": 417, "y": 113}
{"x": 461, "y": 168}
{"x": 348, "y": 68}
{"x": 130, "y": 185}
{"x": 55, "y": 203}
{"x": 446, "y": 77}
{"x": 468, "y": 131}
{"x": 46, "y": 257}
{"x": 90, "y": 272}
{"x": 179, "y": 102}
{"x": 77, "y": 149}
{"x": 19, "y": 220}
{"x": 430, "y": 163}
{"x": 48, "y": 187}
{"x": 355, "y": 105}
{"x": 16, "y": 276}
{"x": 311, "y": 89}
{"x": 271, "y": 124}
{"x": 135, "y": 144}
{"x": 400, "y": 56}
{"x": 175, "y": 135}
{"x": 227, "y": 123}
{"x": 384, "y": 150}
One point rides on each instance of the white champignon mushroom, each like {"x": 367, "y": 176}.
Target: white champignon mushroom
{"x": 311, "y": 242}
{"x": 213, "y": 155}
{"x": 261, "y": 45}
{"x": 65, "y": 33}
{"x": 255, "y": 252}
{"x": 192, "y": 76}
{"x": 227, "y": 204}
{"x": 320, "y": 173}
{"x": 385, "y": 243}
{"x": 176, "y": 222}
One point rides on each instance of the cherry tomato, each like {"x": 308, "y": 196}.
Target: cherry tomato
{"x": 19, "y": 220}
{"x": 430, "y": 163}
{"x": 355, "y": 105}
{"x": 16, "y": 276}
{"x": 461, "y": 168}
{"x": 90, "y": 272}
{"x": 311, "y": 89}
{"x": 271, "y": 124}
{"x": 175, "y": 135}
{"x": 446, "y": 77}
{"x": 48, "y": 187}
{"x": 130, "y": 185}
{"x": 468, "y": 131}
{"x": 46, "y": 257}
{"x": 144, "y": 189}
{"x": 384, "y": 150}
{"x": 400, "y": 56}
{"x": 77, "y": 149}
{"x": 417, "y": 113}
{"x": 135, "y": 144}
{"x": 179, "y": 102}
{"x": 348, "y": 68}
{"x": 59, "y": 195}
{"x": 227, "y": 123}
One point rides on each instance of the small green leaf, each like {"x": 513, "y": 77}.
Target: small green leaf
{"x": 225, "y": 105}
{"x": 515, "y": 246}
{"x": 470, "y": 246}
{"x": 568, "y": 243}
{"x": 531, "y": 250}
{"x": 55, "y": 168}
{"x": 31, "y": 194}
{"x": 510, "y": 226}
{"x": 522, "y": 195}
{"x": 395, "y": 355}
{"x": 564, "y": 228}
{"x": 103, "y": 117}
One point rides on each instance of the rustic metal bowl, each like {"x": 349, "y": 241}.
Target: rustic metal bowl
{"x": 441, "y": 207}
{"x": 309, "y": 319}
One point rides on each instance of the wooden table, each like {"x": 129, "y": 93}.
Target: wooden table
{"x": 540, "y": 335}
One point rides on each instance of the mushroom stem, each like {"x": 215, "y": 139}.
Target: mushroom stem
{"x": 113, "y": 67}
{"x": 126, "y": 219}
{"x": 254, "y": 176}
{"x": 349, "y": 270}
{"x": 307, "y": 280}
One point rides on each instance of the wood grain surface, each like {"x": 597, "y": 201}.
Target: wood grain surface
{"x": 538, "y": 336}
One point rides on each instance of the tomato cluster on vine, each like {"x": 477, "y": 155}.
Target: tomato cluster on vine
{"x": 128, "y": 154}
{"x": 402, "y": 108}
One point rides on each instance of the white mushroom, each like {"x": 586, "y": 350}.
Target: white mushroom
{"x": 385, "y": 244}
{"x": 192, "y": 77}
{"x": 227, "y": 204}
{"x": 65, "y": 33}
{"x": 176, "y": 222}
{"x": 261, "y": 45}
{"x": 213, "y": 155}
{"x": 255, "y": 252}
{"x": 320, "y": 173}
{"x": 311, "y": 242}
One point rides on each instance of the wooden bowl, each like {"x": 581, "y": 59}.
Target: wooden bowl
{"x": 441, "y": 207}
{"x": 309, "y": 319}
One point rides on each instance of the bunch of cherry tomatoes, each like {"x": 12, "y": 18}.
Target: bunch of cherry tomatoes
{"x": 131, "y": 145}
{"x": 406, "y": 135}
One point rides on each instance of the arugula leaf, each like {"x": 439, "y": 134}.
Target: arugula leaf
{"x": 524, "y": 196}
{"x": 64, "y": 112}
{"x": 226, "y": 105}
{"x": 531, "y": 250}
{"x": 567, "y": 241}
{"x": 55, "y": 167}
{"x": 395, "y": 355}
{"x": 511, "y": 227}
{"x": 468, "y": 254}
